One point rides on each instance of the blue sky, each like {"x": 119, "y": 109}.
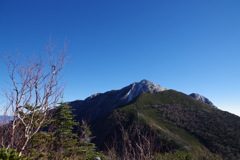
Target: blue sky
{"x": 190, "y": 46}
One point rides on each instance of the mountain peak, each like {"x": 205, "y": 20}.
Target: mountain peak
{"x": 149, "y": 87}
{"x": 202, "y": 98}
{"x": 145, "y": 81}
{"x": 143, "y": 86}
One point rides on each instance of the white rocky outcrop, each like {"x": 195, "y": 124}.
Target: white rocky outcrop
{"x": 202, "y": 98}
{"x": 140, "y": 87}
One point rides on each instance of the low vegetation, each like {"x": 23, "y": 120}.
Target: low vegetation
{"x": 56, "y": 140}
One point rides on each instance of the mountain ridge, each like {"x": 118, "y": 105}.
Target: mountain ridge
{"x": 128, "y": 93}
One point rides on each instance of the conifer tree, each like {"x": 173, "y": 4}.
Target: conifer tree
{"x": 65, "y": 141}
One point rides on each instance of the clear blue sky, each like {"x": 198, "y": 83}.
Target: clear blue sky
{"x": 186, "y": 45}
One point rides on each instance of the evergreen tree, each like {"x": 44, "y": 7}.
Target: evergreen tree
{"x": 65, "y": 142}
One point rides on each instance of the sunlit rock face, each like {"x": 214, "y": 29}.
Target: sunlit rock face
{"x": 139, "y": 87}
{"x": 202, "y": 98}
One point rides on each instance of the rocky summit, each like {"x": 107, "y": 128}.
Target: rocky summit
{"x": 140, "y": 87}
{"x": 202, "y": 98}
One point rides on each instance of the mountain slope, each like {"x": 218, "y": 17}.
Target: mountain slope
{"x": 182, "y": 123}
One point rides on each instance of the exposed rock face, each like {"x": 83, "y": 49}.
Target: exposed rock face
{"x": 138, "y": 88}
{"x": 100, "y": 104}
{"x": 202, "y": 98}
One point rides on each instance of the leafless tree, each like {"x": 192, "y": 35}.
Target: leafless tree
{"x": 35, "y": 89}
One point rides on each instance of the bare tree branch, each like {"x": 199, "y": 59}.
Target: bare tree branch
{"x": 35, "y": 89}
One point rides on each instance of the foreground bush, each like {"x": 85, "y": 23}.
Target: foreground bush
{"x": 10, "y": 154}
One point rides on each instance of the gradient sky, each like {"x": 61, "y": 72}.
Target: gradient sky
{"x": 192, "y": 46}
